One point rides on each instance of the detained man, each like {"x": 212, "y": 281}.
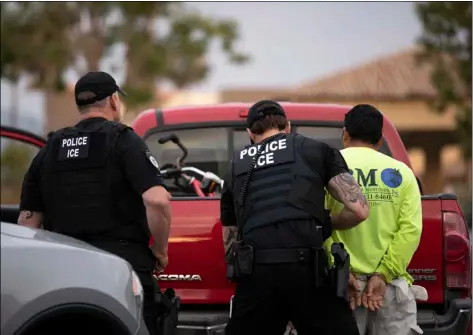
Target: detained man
{"x": 382, "y": 246}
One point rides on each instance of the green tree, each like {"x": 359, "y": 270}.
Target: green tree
{"x": 15, "y": 160}
{"x": 39, "y": 34}
{"x": 168, "y": 41}
{"x": 447, "y": 45}
{"x": 53, "y": 36}
{"x": 13, "y": 56}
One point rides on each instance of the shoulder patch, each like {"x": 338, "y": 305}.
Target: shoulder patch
{"x": 152, "y": 159}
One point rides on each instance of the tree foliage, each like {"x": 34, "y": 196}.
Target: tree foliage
{"x": 15, "y": 159}
{"x": 447, "y": 43}
{"x": 35, "y": 41}
{"x": 163, "y": 41}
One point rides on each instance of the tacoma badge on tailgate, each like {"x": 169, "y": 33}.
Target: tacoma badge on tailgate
{"x": 423, "y": 274}
{"x": 176, "y": 277}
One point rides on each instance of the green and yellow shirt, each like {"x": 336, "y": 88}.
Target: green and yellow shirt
{"x": 386, "y": 241}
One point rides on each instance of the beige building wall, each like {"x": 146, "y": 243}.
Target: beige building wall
{"x": 186, "y": 98}
{"x": 60, "y": 111}
{"x": 409, "y": 115}
{"x": 252, "y": 95}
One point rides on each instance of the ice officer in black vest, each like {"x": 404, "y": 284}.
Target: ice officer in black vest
{"x": 274, "y": 225}
{"x": 98, "y": 182}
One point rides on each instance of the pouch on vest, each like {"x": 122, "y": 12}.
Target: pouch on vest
{"x": 78, "y": 179}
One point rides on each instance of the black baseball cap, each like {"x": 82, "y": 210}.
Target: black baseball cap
{"x": 99, "y": 84}
{"x": 263, "y": 108}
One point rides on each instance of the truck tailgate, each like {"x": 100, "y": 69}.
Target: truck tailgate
{"x": 426, "y": 266}
{"x": 197, "y": 270}
{"x": 196, "y": 258}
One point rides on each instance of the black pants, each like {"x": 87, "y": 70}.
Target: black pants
{"x": 278, "y": 293}
{"x": 151, "y": 310}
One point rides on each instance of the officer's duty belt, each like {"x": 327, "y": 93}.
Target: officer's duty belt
{"x": 282, "y": 256}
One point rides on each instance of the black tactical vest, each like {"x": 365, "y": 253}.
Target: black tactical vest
{"x": 86, "y": 193}
{"x": 282, "y": 186}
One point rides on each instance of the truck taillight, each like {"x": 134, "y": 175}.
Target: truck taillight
{"x": 457, "y": 251}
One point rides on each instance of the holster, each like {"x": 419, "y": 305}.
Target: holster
{"x": 339, "y": 274}
{"x": 241, "y": 262}
{"x": 169, "y": 305}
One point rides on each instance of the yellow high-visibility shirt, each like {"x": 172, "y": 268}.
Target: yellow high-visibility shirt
{"x": 386, "y": 241}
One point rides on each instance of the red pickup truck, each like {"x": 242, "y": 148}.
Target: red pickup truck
{"x": 442, "y": 263}
{"x": 210, "y": 134}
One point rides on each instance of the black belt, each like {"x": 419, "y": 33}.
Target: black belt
{"x": 282, "y": 256}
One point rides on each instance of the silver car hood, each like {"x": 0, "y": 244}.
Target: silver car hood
{"x": 41, "y": 270}
{"x": 43, "y": 236}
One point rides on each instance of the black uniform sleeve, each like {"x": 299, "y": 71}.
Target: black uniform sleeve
{"x": 333, "y": 162}
{"x": 137, "y": 162}
{"x": 31, "y": 199}
{"x": 227, "y": 204}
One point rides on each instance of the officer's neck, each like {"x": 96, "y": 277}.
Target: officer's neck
{"x": 94, "y": 114}
{"x": 265, "y": 135}
{"x": 360, "y": 144}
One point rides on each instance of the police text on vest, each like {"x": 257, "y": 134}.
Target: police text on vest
{"x": 74, "y": 147}
{"x": 267, "y": 155}
{"x": 74, "y": 142}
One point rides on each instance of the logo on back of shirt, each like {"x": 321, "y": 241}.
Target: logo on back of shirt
{"x": 377, "y": 187}
{"x": 365, "y": 180}
{"x": 391, "y": 178}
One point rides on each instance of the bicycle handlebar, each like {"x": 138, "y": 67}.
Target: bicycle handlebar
{"x": 208, "y": 175}
{"x": 171, "y": 137}
{"x": 175, "y": 139}
{"x": 203, "y": 174}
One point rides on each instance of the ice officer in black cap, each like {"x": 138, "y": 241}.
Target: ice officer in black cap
{"x": 274, "y": 226}
{"x": 98, "y": 182}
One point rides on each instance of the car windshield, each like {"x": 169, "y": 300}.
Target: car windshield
{"x": 211, "y": 148}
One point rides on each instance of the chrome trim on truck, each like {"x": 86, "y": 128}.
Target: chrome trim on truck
{"x": 202, "y": 322}
{"x": 201, "y": 330}
{"x": 458, "y": 327}
{"x": 178, "y": 277}
{"x": 454, "y": 322}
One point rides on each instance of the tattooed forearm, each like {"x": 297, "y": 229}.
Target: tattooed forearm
{"x": 345, "y": 189}
{"x": 229, "y": 236}
{"x": 30, "y": 219}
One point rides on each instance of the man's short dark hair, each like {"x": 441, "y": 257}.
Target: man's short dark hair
{"x": 364, "y": 123}
{"x": 278, "y": 122}
{"x": 89, "y": 95}
{"x": 265, "y": 115}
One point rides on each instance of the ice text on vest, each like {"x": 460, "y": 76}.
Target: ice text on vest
{"x": 74, "y": 147}
{"x": 74, "y": 142}
{"x": 267, "y": 155}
